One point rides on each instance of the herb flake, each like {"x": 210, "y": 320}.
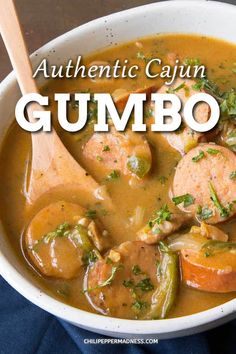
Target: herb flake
{"x": 204, "y": 213}
{"x": 139, "y": 305}
{"x": 136, "y": 270}
{"x": 106, "y": 282}
{"x": 186, "y": 199}
{"x": 224, "y": 212}
{"x": 113, "y": 175}
{"x": 91, "y": 214}
{"x": 163, "y": 214}
{"x": 145, "y": 285}
{"x": 199, "y": 156}
{"x": 232, "y": 175}
{"x": 213, "y": 151}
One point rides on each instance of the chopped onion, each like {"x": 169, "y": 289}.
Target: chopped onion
{"x": 231, "y": 141}
{"x": 137, "y": 218}
{"x": 100, "y": 193}
{"x": 186, "y": 241}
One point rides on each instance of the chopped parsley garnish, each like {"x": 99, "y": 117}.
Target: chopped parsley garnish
{"x": 207, "y": 254}
{"x": 108, "y": 281}
{"x": 187, "y": 199}
{"x": 106, "y": 148}
{"x": 62, "y": 230}
{"x": 191, "y": 61}
{"x": 136, "y": 270}
{"x": 99, "y": 158}
{"x": 228, "y": 104}
{"x": 129, "y": 283}
{"x": 139, "y": 305}
{"x": 209, "y": 86}
{"x": 178, "y": 88}
{"x": 198, "y": 86}
{"x": 90, "y": 257}
{"x": 161, "y": 215}
{"x": 77, "y": 233}
{"x": 113, "y": 175}
{"x": 145, "y": 285}
{"x": 91, "y": 214}
{"x": 224, "y": 211}
{"x": 201, "y": 154}
{"x": 204, "y": 213}
{"x": 198, "y": 157}
{"x": 163, "y": 179}
{"x": 213, "y": 151}
{"x": 232, "y": 175}
{"x": 141, "y": 55}
{"x": 109, "y": 260}
{"x": 226, "y": 100}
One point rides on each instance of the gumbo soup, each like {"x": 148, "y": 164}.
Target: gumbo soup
{"x": 167, "y": 245}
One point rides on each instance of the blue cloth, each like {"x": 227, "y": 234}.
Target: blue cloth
{"x": 26, "y": 329}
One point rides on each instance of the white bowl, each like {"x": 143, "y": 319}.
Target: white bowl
{"x": 207, "y": 18}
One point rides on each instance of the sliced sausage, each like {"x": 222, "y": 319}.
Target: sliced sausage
{"x": 185, "y": 139}
{"x": 135, "y": 263}
{"x": 126, "y": 152}
{"x": 203, "y": 179}
{"x": 214, "y": 273}
{"x": 59, "y": 238}
{"x": 184, "y": 89}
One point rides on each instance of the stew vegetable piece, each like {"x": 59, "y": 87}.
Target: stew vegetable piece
{"x": 60, "y": 240}
{"x": 122, "y": 283}
{"x": 202, "y": 183}
{"x": 167, "y": 247}
{"x": 128, "y": 152}
{"x": 208, "y": 270}
{"x": 165, "y": 296}
{"x": 185, "y": 139}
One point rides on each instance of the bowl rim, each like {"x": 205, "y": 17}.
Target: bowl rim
{"x": 84, "y": 319}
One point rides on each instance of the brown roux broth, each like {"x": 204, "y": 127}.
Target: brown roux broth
{"x": 218, "y": 56}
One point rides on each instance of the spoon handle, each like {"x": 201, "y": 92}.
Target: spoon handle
{"x": 14, "y": 41}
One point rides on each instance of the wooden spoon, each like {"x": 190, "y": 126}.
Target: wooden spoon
{"x": 52, "y": 165}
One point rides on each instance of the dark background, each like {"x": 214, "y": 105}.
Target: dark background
{"x": 43, "y": 20}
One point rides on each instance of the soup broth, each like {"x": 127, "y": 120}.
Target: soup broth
{"x": 136, "y": 199}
